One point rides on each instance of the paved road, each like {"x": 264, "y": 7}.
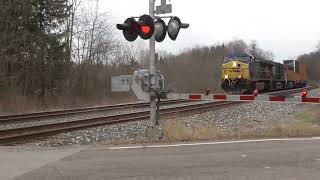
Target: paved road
{"x": 15, "y": 161}
{"x": 294, "y": 159}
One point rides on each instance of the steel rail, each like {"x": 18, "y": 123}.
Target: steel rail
{"x": 18, "y": 135}
{"x": 68, "y": 112}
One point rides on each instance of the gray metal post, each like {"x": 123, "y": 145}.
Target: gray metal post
{"x": 153, "y": 105}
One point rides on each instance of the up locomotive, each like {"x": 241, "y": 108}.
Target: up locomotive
{"x": 242, "y": 73}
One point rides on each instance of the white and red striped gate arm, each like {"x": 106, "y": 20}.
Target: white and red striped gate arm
{"x": 256, "y": 98}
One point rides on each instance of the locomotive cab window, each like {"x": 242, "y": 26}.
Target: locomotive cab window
{"x": 237, "y": 57}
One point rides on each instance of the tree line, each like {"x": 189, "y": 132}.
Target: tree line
{"x": 312, "y": 63}
{"x": 198, "y": 68}
{"x": 64, "y": 53}
{"x": 58, "y": 50}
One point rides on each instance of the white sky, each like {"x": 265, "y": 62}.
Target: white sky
{"x": 288, "y": 28}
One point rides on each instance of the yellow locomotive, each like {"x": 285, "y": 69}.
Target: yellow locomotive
{"x": 242, "y": 73}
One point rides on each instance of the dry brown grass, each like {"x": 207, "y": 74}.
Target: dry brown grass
{"x": 13, "y": 103}
{"x": 306, "y": 125}
{"x": 175, "y": 131}
{"x": 296, "y": 129}
{"x": 311, "y": 116}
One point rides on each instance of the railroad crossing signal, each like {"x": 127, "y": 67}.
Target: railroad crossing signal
{"x": 153, "y": 28}
{"x": 146, "y": 27}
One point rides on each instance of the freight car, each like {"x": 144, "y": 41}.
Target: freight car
{"x": 242, "y": 73}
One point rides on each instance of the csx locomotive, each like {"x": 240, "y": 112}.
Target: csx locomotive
{"x": 242, "y": 73}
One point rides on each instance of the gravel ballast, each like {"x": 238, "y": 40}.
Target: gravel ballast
{"x": 258, "y": 115}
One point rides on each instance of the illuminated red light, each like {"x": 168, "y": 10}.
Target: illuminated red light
{"x": 145, "y": 29}
{"x": 304, "y": 93}
{"x": 255, "y": 92}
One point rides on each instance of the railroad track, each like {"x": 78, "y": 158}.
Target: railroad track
{"x": 49, "y": 114}
{"x": 11, "y": 136}
{"x": 25, "y": 134}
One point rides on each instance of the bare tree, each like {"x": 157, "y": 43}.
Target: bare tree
{"x": 194, "y": 69}
{"x": 255, "y": 51}
{"x": 93, "y": 37}
{"x": 73, "y": 8}
{"x": 311, "y": 62}
{"x": 237, "y": 46}
{"x": 318, "y": 46}
{"x": 253, "y": 48}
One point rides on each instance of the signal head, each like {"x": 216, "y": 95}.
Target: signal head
{"x": 129, "y": 29}
{"x": 255, "y": 92}
{"x": 174, "y": 27}
{"x": 160, "y": 30}
{"x": 304, "y": 93}
{"x": 146, "y": 27}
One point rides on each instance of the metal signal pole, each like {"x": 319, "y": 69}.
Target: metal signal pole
{"x": 152, "y": 69}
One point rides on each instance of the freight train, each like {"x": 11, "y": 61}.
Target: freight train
{"x": 242, "y": 73}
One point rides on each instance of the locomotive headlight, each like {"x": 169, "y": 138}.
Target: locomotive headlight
{"x": 234, "y": 64}
{"x": 240, "y": 77}
{"x": 226, "y": 76}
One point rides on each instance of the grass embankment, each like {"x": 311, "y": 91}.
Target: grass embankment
{"x": 306, "y": 124}
{"x": 17, "y": 104}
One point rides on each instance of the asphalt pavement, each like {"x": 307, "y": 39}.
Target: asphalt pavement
{"x": 240, "y": 160}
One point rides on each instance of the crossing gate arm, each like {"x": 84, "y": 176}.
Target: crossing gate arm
{"x": 244, "y": 98}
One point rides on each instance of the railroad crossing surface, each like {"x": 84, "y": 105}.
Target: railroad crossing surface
{"x": 258, "y": 159}
{"x": 16, "y": 161}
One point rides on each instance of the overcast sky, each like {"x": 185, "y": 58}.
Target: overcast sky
{"x": 288, "y": 28}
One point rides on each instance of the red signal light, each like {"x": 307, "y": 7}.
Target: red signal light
{"x": 146, "y": 26}
{"x": 145, "y": 29}
{"x": 255, "y": 92}
{"x": 304, "y": 93}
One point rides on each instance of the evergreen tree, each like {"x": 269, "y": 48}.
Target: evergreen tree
{"x": 33, "y": 47}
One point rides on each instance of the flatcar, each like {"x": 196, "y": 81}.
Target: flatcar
{"x": 242, "y": 73}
